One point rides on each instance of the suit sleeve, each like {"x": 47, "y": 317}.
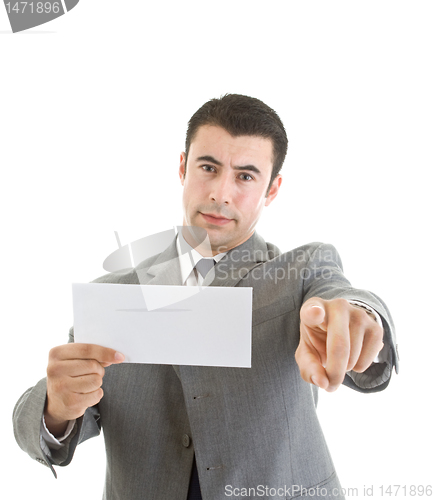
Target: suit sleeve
{"x": 27, "y": 417}
{"x": 324, "y": 278}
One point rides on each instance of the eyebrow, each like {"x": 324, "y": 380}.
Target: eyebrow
{"x": 211, "y": 159}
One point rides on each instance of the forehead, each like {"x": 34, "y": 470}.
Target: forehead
{"x": 217, "y": 142}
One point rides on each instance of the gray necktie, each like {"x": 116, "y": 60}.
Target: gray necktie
{"x": 204, "y": 266}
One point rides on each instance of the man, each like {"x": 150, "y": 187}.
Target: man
{"x": 183, "y": 432}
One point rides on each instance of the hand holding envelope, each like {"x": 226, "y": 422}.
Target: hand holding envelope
{"x": 207, "y": 326}
{"x": 74, "y": 379}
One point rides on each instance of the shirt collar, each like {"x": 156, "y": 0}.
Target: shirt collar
{"x": 189, "y": 259}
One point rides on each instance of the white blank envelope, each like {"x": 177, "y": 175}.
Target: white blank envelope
{"x": 206, "y": 326}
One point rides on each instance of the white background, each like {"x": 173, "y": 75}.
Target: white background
{"x": 93, "y": 112}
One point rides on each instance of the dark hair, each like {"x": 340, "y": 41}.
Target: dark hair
{"x": 242, "y": 115}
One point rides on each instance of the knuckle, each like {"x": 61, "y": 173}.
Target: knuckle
{"x": 358, "y": 317}
{"x": 340, "y": 303}
{"x": 303, "y": 367}
{"x": 89, "y": 383}
{"x": 375, "y": 335}
{"x": 304, "y": 373}
{"x": 96, "y": 381}
{"x": 96, "y": 367}
{"x": 98, "y": 395}
{"x": 378, "y": 332}
{"x": 54, "y": 352}
{"x": 53, "y": 369}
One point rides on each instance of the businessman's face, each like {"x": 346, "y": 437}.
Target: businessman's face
{"x": 225, "y": 185}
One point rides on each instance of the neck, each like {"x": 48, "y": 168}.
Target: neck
{"x": 198, "y": 238}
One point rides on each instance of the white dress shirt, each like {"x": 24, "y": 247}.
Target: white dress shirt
{"x": 188, "y": 261}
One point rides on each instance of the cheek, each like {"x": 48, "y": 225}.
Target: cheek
{"x": 250, "y": 205}
{"x": 191, "y": 195}
{"x": 193, "y": 187}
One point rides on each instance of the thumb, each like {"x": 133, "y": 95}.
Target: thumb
{"x": 313, "y": 314}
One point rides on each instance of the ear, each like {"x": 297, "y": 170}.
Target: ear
{"x": 182, "y": 168}
{"x": 274, "y": 189}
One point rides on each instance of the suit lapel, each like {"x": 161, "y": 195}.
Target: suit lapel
{"x": 165, "y": 270}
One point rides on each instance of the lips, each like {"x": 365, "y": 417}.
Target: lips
{"x": 216, "y": 219}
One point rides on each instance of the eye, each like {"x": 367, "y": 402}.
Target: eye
{"x": 207, "y": 168}
{"x": 246, "y": 177}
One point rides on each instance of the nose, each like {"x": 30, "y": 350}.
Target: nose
{"x": 221, "y": 191}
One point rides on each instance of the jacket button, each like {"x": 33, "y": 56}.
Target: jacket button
{"x": 186, "y": 440}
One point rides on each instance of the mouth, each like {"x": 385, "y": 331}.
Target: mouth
{"x": 216, "y": 220}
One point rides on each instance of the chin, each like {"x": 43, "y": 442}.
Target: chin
{"x": 221, "y": 244}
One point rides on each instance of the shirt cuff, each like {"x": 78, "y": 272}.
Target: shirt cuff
{"x": 383, "y": 354}
{"x": 50, "y": 440}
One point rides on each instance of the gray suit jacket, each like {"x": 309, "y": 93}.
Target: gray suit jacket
{"x": 248, "y": 427}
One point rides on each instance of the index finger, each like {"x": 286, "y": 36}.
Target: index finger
{"x": 104, "y": 355}
{"x": 338, "y": 348}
